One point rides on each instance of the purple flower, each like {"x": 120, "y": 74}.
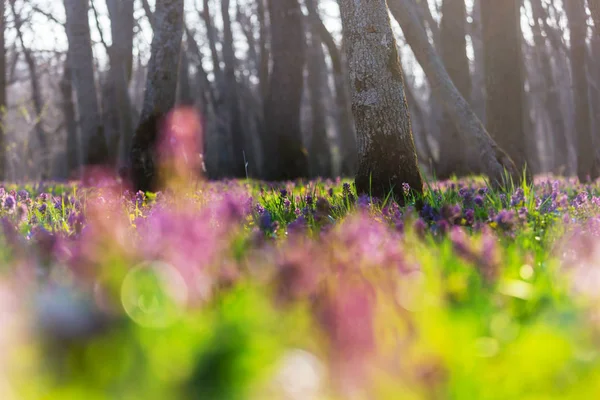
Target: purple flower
{"x": 283, "y": 193}
{"x": 309, "y": 200}
{"x": 478, "y": 200}
{"x": 265, "y": 222}
{"x": 470, "y": 216}
{"x": 363, "y": 201}
{"x": 406, "y": 188}
{"x": 505, "y": 219}
{"x": 23, "y": 194}
{"x": 10, "y": 203}
{"x": 517, "y": 198}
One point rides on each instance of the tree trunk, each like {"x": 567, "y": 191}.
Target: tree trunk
{"x": 575, "y": 10}
{"x": 263, "y": 70}
{"x": 2, "y": 92}
{"x": 69, "y": 116}
{"x": 319, "y": 148}
{"x": 36, "y": 95}
{"x": 551, "y": 98}
{"x": 283, "y": 146}
{"x": 346, "y": 134}
{"x": 504, "y": 77}
{"x": 236, "y": 167}
{"x": 494, "y": 161}
{"x": 184, "y": 89}
{"x": 121, "y": 60}
{"x": 453, "y": 48}
{"x": 211, "y": 36}
{"x": 386, "y": 152}
{"x": 80, "y": 50}
{"x": 160, "y": 93}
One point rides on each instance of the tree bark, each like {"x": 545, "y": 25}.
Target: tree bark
{"x": 283, "y": 146}
{"x": 494, "y": 161}
{"x": 211, "y": 36}
{"x": 160, "y": 93}
{"x": 453, "y": 48}
{"x": 80, "y": 50}
{"x": 386, "y": 152}
{"x": 504, "y": 77}
{"x": 575, "y": 10}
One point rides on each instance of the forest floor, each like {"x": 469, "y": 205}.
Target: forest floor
{"x": 243, "y": 290}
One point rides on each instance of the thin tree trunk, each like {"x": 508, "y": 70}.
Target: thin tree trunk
{"x": 319, "y": 148}
{"x": 121, "y": 59}
{"x": 80, "y": 49}
{"x": 504, "y": 78}
{"x": 160, "y": 93}
{"x": 494, "y": 160}
{"x": 69, "y": 116}
{"x": 2, "y": 91}
{"x": 184, "y": 89}
{"x": 283, "y": 149}
{"x": 575, "y": 10}
{"x": 236, "y": 167}
{"x": 36, "y": 95}
{"x": 386, "y": 152}
{"x": 211, "y": 36}
{"x": 453, "y": 48}
{"x": 263, "y": 74}
{"x": 551, "y": 96}
{"x": 346, "y": 134}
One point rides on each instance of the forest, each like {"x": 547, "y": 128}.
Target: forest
{"x": 299, "y": 199}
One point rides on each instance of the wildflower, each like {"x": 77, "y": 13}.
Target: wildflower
{"x": 363, "y": 201}
{"x": 505, "y": 219}
{"x": 478, "y": 200}
{"x": 283, "y": 193}
{"x": 23, "y": 194}
{"x": 517, "y": 198}
{"x": 10, "y": 203}
{"x": 309, "y": 200}
{"x": 469, "y": 217}
{"x": 406, "y": 188}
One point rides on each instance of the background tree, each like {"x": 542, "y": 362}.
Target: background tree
{"x": 453, "y": 50}
{"x": 503, "y": 63}
{"x": 160, "y": 93}
{"x": 287, "y": 157}
{"x": 93, "y": 141}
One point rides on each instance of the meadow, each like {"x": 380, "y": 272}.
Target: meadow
{"x": 302, "y": 290}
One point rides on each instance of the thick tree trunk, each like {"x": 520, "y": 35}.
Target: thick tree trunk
{"x": 160, "y": 93}
{"x": 494, "y": 161}
{"x": 551, "y": 96}
{"x": 453, "y": 49}
{"x": 575, "y": 10}
{"x": 284, "y": 152}
{"x": 80, "y": 51}
{"x": 386, "y": 152}
{"x": 504, "y": 77}
{"x": 2, "y": 91}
